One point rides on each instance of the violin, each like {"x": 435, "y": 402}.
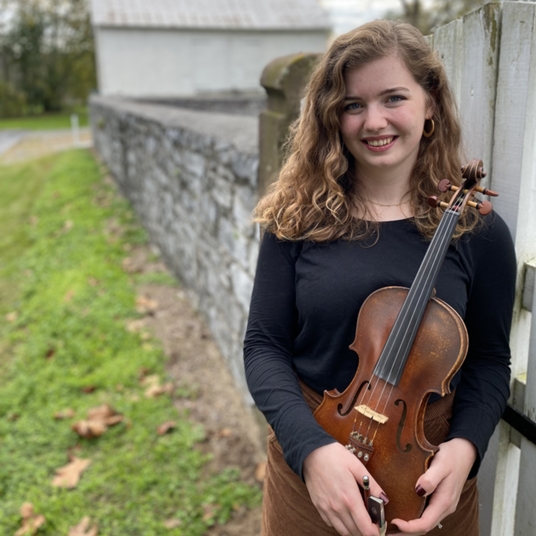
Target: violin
{"x": 410, "y": 344}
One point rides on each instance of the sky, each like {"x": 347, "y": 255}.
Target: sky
{"x": 348, "y": 14}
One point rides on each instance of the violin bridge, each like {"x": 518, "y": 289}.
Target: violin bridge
{"x": 371, "y": 414}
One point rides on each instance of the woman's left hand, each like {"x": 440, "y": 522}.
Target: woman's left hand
{"x": 443, "y": 482}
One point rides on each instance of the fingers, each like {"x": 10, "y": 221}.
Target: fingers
{"x": 330, "y": 474}
{"x": 375, "y": 488}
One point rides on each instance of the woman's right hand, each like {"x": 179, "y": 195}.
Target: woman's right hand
{"x": 332, "y": 475}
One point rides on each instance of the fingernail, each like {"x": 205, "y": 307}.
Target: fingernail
{"x": 420, "y": 491}
{"x": 384, "y": 497}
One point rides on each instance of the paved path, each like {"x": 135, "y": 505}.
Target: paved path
{"x": 18, "y": 145}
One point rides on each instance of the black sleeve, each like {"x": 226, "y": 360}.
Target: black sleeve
{"x": 268, "y": 347}
{"x": 483, "y": 390}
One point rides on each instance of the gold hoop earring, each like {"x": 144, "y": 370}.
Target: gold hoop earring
{"x": 428, "y": 133}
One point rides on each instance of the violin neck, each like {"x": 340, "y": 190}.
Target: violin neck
{"x": 394, "y": 355}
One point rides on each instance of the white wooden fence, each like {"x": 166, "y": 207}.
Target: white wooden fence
{"x": 490, "y": 56}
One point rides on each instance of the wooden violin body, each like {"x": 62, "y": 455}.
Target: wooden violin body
{"x": 410, "y": 345}
{"x": 400, "y": 452}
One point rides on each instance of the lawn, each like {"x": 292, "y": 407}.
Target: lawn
{"x": 50, "y": 121}
{"x": 65, "y": 305}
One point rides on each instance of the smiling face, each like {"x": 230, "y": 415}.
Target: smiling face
{"x": 383, "y": 118}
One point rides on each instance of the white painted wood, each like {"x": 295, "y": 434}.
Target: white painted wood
{"x": 506, "y": 484}
{"x": 513, "y": 175}
{"x": 525, "y": 521}
{"x": 171, "y": 62}
{"x": 448, "y": 42}
{"x": 480, "y": 48}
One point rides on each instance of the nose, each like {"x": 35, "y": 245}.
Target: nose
{"x": 375, "y": 119}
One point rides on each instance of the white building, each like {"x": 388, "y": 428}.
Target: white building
{"x": 169, "y": 48}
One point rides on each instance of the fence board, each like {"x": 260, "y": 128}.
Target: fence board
{"x": 478, "y": 80}
{"x": 514, "y": 172}
{"x": 448, "y": 44}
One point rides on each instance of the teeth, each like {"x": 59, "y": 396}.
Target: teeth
{"x": 380, "y": 143}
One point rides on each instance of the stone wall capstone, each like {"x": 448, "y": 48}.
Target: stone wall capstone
{"x": 191, "y": 177}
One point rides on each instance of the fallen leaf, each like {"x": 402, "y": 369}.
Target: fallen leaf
{"x": 172, "y": 523}
{"x": 150, "y": 379}
{"x": 157, "y": 390}
{"x": 82, "y": 529}
{"x": 69, "y": 295}
{"x": 89, "y": 429}
{"x": 145, "y": 305}
{"x": 88, "y": 389}
{"x": 165, "y": 427}
{"x": 209, "y": 511}
{"x": 260, "y": 472}
{"x": 69, "y": 475}
{"x": 64, "y": 414}
{"x": 30, "y": 521}
{"x": 105, "y": 414}
{"x": 133, "y": 326}
{"x": 11, "y": 317}
{"x": 97, "y": 422}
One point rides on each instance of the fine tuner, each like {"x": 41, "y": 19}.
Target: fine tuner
{"x": 474, "y": 168}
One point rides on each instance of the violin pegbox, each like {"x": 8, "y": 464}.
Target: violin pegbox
{"x": 472, "y": 173}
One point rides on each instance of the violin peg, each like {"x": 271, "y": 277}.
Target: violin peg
{"x": 444, "y": 185}
{"x": 433, "y": 201}
{"x": 486, "y": 191}
{"x": 484, "y": 207}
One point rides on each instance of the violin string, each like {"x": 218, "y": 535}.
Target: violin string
{"x": 433, "y": 259}
{"x": 447, "y": 230}
{"x": 441, "y": 230}
{"x": 410, "y": 311}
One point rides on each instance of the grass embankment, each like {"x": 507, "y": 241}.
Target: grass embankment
{"x": 65, "y": 302}
{"x": 61, "y": 120}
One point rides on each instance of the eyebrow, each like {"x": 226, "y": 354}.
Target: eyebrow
{"x": 382, "y": 93}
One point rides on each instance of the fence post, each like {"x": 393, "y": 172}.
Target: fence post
{"x": 284, "y": 80}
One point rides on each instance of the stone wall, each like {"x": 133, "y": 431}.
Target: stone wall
{"x": 191, "y": 177}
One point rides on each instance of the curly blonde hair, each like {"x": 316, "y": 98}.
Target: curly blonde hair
{"x": 314, "y": 197}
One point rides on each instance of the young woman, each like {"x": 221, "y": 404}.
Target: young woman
{"x": 349, "y": 215}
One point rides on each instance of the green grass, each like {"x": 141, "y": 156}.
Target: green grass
{"x": 60, "y": 120}
{"x": 69, "y": 302}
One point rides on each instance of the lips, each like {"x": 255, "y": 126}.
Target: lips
{"x": 378, "y": 144}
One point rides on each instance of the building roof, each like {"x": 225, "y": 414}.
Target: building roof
{"x": 216, "y": 14}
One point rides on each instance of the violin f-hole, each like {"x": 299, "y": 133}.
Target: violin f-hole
{"x": 343, "y": 412}
{"x": 401, "y": 425}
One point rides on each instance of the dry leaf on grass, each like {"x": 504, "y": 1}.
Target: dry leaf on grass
{"x": 69, "y": 475}
{"x": 82, "y": 529}
{"x": 64, "y": 414}
{"x": 157, "y": 390}
{"x": 97, "y": 422}
{"x": 172, "y": 523}
{"x": 145, "y": 305}
{"x": 260, "y": 472}
{"x": 11, "y": 317}
{"x": 30, "y": 520}
{"x": 166, "y": 427}
{"x": 133, "y": 326}
{"x": 69, "y": 295}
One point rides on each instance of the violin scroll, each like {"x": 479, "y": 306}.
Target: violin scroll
{"x": 471, "y": 173}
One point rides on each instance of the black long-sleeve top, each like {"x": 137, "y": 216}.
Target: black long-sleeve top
{"x": 303, "y": 314}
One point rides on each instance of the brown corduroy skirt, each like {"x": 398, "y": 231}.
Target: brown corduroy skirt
{"x": 287, "y": 507}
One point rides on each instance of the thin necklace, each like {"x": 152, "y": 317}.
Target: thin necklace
{"x": 384, "y": 205}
